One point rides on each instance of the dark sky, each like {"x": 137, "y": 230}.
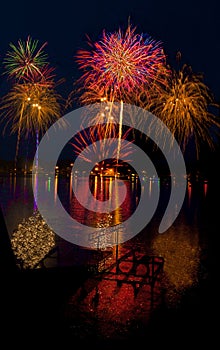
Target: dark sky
{"x": 191, "y": 27}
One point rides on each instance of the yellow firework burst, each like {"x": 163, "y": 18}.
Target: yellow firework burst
{"x": 29, "y": 108}
{"x": 184, "y": 106}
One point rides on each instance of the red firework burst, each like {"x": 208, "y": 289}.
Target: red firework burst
{"x": 121, "y": 62}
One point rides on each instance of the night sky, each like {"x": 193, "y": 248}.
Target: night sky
{"x": 191, "y": 27}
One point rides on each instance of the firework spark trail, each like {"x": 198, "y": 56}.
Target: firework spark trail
{"x": 120, "y": 131}
{"x": 183, "y": 106}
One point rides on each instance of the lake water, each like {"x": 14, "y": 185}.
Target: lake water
{"x": 109, "y": 307}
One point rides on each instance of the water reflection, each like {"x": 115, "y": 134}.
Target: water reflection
{"x": 181, "y": 251}
{"x": 113, "y": 301}
{"x": 180, "y": 246}
{"x": 102, "y": 190}
{"x": 16, "y": 197}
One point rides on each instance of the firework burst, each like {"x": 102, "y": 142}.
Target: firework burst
{"x": 120, "y": 63}
{"x": 183, "y": 105}
{"x": 44, "y": 78}
{"x": 30, "y": 107}
{"x": 25, "y": 60}
{"x": 104, "y": 128}
{"x": 117, "y": 66}
{"x": 103, "y": 149}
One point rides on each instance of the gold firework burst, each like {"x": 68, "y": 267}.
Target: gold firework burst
{"x": 183, "y": 104}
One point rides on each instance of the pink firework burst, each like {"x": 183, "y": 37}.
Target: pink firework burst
{"x": 120, "y": 63}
